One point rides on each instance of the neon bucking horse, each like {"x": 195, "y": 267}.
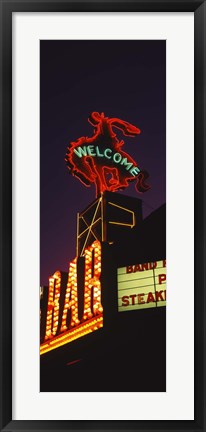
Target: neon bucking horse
{"x": 101, "y": 160}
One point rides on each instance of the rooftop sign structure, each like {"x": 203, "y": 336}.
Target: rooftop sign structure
{"x": 101, "y": 160}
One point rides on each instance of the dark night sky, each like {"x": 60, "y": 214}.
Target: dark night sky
{"x": 125, "y": 79}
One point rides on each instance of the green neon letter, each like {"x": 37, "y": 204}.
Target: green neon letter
{"x": 117, "y": 155}
{"x": 90, "y": 150}
{"x": 134, "y": 171}
{"x": 81, "y": 151}
{"x": 98, "y": 152}
{"x": 128, "y": 165}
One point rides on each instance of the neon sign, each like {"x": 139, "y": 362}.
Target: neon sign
{"x": 71, "y": 326}
{"x": 101, "y": 160}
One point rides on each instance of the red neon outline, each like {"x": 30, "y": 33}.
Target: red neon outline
{"x": 90, "y": 169}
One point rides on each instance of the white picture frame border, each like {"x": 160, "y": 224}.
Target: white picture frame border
{"x": 178, "y": 402}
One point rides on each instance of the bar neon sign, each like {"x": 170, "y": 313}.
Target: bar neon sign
{"x": 92, "y": 318}
{"x": 142, "y": 286}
